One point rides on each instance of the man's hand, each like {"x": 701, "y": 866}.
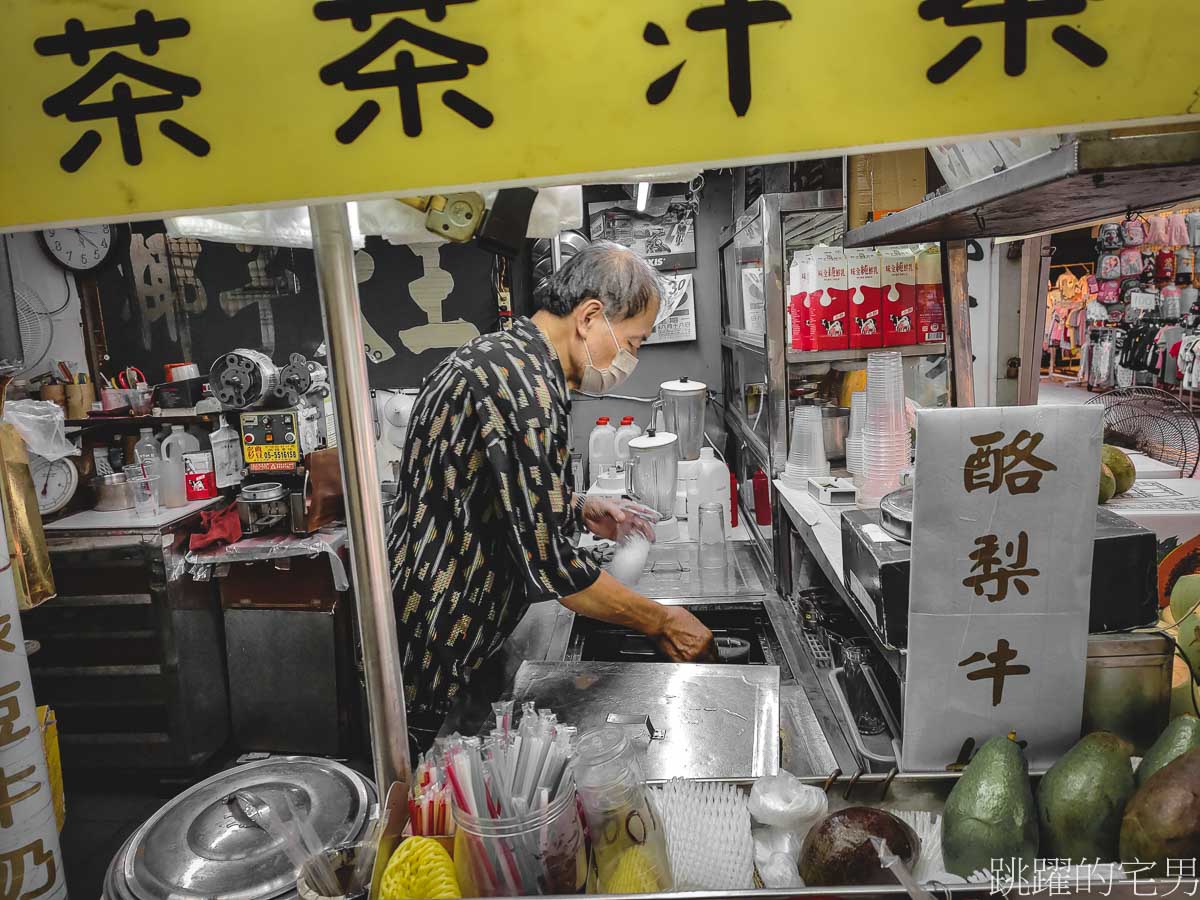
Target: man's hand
{"x": 607, "y": 519}
{"x": 684, "y": 638}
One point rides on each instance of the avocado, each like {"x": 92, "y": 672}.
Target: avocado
{"x": 990, "y": 813}
{"x": 1163, "y": 819}
{"x": 1082, "y": 798}
{"x": 838, "y": 851}
{"x": 1181, "y": 735}
{"x": 1108, "y": 484}
{"x": 1120, "y": 465}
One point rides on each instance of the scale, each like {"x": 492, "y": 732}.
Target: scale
{"x": 55, "y": 482}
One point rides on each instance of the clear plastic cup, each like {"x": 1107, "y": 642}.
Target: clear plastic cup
{"x": 711, "y": 536}
{"x": 885, "y": 393}
{"x": 806, "y": 458}
{"x": 143, "y": 479}
{"x": 858, "y": 414}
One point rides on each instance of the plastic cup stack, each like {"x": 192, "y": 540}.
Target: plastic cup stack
{"x": 854, "y": 441}
{"x": 886, "y": 446}
{"x": 807, "y": 457}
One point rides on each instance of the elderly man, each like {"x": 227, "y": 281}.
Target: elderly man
{"x": 488, "y": 514}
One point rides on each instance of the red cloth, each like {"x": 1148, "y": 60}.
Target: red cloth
{"x": 1174, "y": 351}
{"x": 218, "y": 525}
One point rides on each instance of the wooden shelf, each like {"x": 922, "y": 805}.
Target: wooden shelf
{"x": 140, "y": 421}
{"x": 799, "y": 357}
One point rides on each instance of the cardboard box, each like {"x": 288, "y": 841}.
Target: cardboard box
{"x": 882, "y": 183}
{"x": 1124, "y": 585}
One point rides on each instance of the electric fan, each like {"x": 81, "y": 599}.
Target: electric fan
{"x": 37, "y": 329}
{"x": 1152, "y": 422}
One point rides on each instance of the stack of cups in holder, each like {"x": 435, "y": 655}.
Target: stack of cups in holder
{"x": 886, "y": 446}
{"x": 806, "y": 459}
{"x": 854, "y": 441}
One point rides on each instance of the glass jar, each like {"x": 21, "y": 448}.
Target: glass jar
{"x": 628, "y": 839}
{"x": 867, "y": 717}
{"x": 542, "y": 852}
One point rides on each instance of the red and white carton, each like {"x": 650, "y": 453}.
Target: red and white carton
{"x": 799, "y": 325}
{"x": 866, "y": 298}
{"x": 199, "y": 476}
{"x": 931, "y": 298}
{"x": 898, "y": 278}
{"x": 829, "y": 300}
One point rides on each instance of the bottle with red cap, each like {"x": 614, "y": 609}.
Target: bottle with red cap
{"x": 627, "y": 432}
{"x": 602, "y": 451}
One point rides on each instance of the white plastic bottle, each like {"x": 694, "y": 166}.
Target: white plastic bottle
{"x": 147, "y": 447}
{"x": 172, "y": 490}
{"x": 712, "y": 481}
{"x": 602, "y": 450}
{"x": 627, "y": 432}
{"x": 227, "y": 454}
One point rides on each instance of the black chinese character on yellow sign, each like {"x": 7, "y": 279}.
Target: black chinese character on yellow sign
{"x": 992, "y": 570}
{"x": 75, "y": 101}
{"x": 359, "y": 70}
{"x": 735, "y": 18}
{"x": 1016, "y": 15}
{"x": 997, "y": 671}
{"x": 1013, "y": 464}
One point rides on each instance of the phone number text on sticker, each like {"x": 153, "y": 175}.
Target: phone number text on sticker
{"x": 258, "y": 453}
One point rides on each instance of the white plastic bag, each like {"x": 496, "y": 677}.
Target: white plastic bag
{"x": 784, "y": 801}
{"x": 284, "y": 227}
{"x": 42, "y": 427}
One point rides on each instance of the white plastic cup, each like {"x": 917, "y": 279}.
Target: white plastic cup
{"x": 807, "y": 457}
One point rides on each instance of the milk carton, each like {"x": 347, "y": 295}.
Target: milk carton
{"x": 931, "y": 299}
{"x": 799, "y": 321}
{"x": 829, "y": 300}
{"x": 866, "y": 298}
{"x": 898, "y": 279}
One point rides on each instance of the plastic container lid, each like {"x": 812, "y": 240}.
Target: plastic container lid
{"x": 652, "y": 439}
{"x": 603, "y": 420}
{"x": 628, "y": 420}
{"x": 707, "y": 453}
{"x": 684, "y": 386}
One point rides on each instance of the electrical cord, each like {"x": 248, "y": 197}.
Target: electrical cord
{"x": 67, "y": 302}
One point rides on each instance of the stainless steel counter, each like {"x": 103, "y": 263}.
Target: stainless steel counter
{"x": 810, "y": 738}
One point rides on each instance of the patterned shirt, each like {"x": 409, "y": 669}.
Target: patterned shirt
{"x": 486, "y": 515}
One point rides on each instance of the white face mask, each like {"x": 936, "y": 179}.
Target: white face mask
{"x": 601, "y": 381}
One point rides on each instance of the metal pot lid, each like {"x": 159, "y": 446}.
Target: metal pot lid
{"x": 201, "y": 845}
{"x": 683, "y": 386}
{"x": 652, "y": 439}
{"x": 895, "y": 514}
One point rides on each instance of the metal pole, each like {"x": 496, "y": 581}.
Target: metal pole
{"x": 364, "y": 503}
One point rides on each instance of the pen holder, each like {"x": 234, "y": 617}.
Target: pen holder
{"x": 112, "y": 399}
{"x": 55, "y": 393}
{"x": 80, "y": 398}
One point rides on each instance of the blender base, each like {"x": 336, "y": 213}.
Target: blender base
{"x": 666, "y": 529}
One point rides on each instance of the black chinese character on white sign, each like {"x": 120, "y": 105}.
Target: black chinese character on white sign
{"x": 75, "y": 101}
{"x": 735, "y": 18}
{"x": 358, "y": 70}
{"x": 1016, "y": 15}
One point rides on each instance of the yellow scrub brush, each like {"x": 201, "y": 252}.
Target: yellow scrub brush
{"x": 635, "y": 873}
{"x": 419, "y": 868}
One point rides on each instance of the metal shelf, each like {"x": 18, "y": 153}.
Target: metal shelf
{"x": 799, "y": 357}
{"x": 750, "y": 340}
{"x": 753, "y": 442}
{"x": 1080, "y": 182}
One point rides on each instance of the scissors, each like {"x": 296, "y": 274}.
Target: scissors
{"x": 131, "y": 377}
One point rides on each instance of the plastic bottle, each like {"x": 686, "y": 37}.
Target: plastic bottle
{"x": 147, "y": 447}
{"x": 171, "y": 486}
{"x": 227, "y": 454}
{"x": 762, "y": 497}
{"x": 602, "y": 450}
{"x": 713, "y": 479}
{"x": 627, "y": 432}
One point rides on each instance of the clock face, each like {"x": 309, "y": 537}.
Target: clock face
{"x": 80, "y": 249}
{"x": 54, "y": 482}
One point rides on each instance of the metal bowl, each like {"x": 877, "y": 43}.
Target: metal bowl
{"x": 113, "y": 492}
{"x": 835, "y": 427}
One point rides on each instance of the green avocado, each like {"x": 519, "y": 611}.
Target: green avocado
{"x": 1162, "y": 821}
{"x": 990, "y": 813}
{"x": 1108, "y": 484}
{"x": 1082, "y": 798}
{"x": 1180, "y": 736}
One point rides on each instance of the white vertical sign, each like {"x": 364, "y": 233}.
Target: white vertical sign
{"x": 1004, "y": 522}
{"x": 31, "y": 863}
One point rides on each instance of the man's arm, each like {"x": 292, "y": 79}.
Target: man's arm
{"x": 679, "y": 634}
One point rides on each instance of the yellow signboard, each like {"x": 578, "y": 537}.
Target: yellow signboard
{"x": 271, "y": 453}
{"x": 124, "y": 110}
